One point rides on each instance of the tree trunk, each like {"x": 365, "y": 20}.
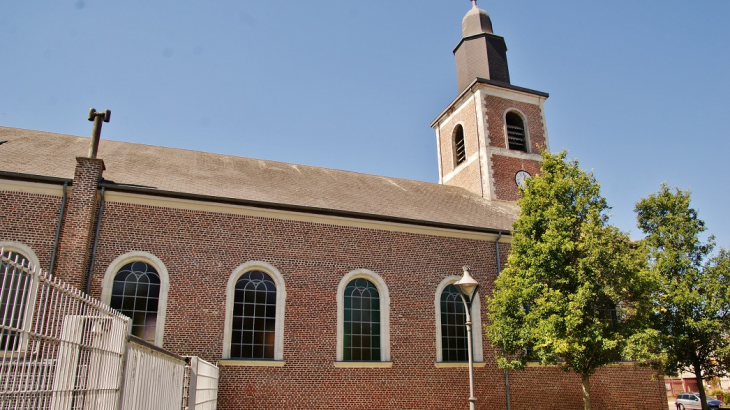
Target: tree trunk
{"x": 586, "y": 381}
{"x": 700, "y": 386}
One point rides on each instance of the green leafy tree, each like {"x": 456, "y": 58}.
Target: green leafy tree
{"x": 691, "y": 322}
{"x": 574, "y": 288}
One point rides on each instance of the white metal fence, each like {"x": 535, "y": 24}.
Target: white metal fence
{"x": 203, "y": 390}
{"x": 153, "y": 378}
{"x": 61, "y": 350}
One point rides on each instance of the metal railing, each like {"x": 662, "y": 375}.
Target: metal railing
{"x": 153, "y": 378}
{"x": 61, "y": 349}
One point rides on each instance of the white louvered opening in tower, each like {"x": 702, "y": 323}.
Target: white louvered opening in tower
{"x": 516, "y": 136}
{"x": 459, "y": 147}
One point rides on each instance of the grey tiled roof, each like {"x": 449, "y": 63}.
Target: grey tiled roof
{"x": 238, "y": 178}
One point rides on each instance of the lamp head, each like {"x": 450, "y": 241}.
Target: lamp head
{"x": 467, "y": 285}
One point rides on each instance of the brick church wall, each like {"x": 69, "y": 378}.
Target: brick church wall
{"x": 496, "y": 108}
{"x": 620, "y": 386}
{"x": 504, "y": 169}
{"x": 30, "y": 219}
{"x": 78, "y": 228}
{"x": 465, "y": 117}
{"x": 468, "y": 178}
{"x": 201, "y": 250}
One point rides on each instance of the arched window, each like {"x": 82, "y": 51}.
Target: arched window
{"x": 13, "y": 298}
{"x": 254, "y": 328}
{"x": 459, "y": 147}
{"x": 451, "y": 338}
{"x": 453, "y": 328}
{"x": 516, "y": 133}
{"x": 362, "y": 321}
{"x": 17, "y": 294}
{"x": 254, "y": 317}
{"x": 136, "y": 294}
{"x": 136, "y": 284}
{"x": 363, "y": 318}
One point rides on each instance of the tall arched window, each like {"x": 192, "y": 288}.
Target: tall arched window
{"x": 363, "y": 319}
{"x": 254, "y": 317}
{"x": 15, "y": 287}
{"x": 459, "y": 146}
{"x": 136, "y": 284}
{"x": 453, "y": 328}
{"x": 136, "y": 294}
{"x": 254, "y": 327}
{"x": 17, "y": 294}
{"x": 451, "y": 338}
{"x": 516, "y": 134}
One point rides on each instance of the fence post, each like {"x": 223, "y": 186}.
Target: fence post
{"x": 193, "y": 386}
{"x": 123, "y": 372}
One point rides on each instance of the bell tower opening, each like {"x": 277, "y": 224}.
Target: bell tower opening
{"x": 459, "y": 147}
{"x": 516, "y": 137}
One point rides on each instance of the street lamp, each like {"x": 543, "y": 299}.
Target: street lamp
{"x": 467, "y": 288}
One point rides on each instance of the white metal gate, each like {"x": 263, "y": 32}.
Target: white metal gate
{"x": 61, "y": 349}
{"x": 153, "y": 379}
{"x": 203, "y": 391}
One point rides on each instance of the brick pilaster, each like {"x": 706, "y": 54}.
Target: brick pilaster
{"x": 79, "y": 222}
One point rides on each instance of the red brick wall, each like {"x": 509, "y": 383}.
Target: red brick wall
{"x": 469, "y": 176}
{"x": 504, "y": 169}
{"x": 78, "y": 226}
{"x": 496, "y": 108}
{"x": 201, "y": 249}
{"x": 30, "y": 219}
{"x": 612, "y": 387}
{"x": 467, "y": 117}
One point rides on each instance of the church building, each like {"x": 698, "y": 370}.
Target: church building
{"x": 309, "y": 287}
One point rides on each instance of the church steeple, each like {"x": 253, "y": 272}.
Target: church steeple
{"x": 480, "y": 53}
{"x": 490, "y": 137}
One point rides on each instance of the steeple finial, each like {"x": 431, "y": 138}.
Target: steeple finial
{"x": 474, "y": 2}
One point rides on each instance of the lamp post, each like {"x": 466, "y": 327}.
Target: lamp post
{"x": 467, "y": 288}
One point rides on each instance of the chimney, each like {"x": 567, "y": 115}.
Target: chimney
{"x": 97, "y": 117}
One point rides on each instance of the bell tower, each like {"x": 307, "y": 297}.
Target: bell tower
{"x": 489, "y": 138}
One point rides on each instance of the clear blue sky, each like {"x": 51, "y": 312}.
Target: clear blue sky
{"x": 640, "y": 90}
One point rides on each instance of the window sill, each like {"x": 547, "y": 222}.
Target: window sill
{"x": 446, "y": 365}
{"x": 363, "y": 364}
{"x": 254, "y": 363}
